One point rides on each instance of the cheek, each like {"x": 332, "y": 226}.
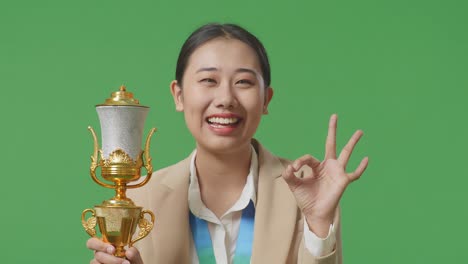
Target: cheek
{"x": 253, "y": 103}
{"x": 195, "y": 104}
{"x": 194, "y": 98}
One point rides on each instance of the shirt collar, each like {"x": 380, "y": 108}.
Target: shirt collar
{"x": 249, "y": 192}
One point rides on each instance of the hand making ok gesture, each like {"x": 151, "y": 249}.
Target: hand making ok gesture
{"x": 319, "y": 191}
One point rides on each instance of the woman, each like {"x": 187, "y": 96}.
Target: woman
{"x": 204, "y": 203}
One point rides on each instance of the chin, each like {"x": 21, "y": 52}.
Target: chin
{"x": 223, "y": 144}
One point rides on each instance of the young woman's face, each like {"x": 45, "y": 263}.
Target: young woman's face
{"x": 223, "y": 95}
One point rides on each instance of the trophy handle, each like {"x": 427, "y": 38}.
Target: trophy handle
{"x": 90, "y": 223}
{"x": 144, "y": 225}
{"x": 147, "y": 164}
{"x": 94, "y": 161}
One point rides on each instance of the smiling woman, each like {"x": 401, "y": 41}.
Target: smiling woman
{"x": 222, "y": 83}
{"x": 231, "y": 200}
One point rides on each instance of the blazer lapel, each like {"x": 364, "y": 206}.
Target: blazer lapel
{"x": 172, "y": 239}
{"x": 276, "y": 212}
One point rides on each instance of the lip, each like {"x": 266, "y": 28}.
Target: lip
{"x": 224, "y": 130}
{"x": 225, "y": 115}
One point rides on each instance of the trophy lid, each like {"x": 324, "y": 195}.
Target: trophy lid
{"x": 122, "y": 98}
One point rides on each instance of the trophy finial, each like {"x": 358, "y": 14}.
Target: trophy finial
{"x": 122, "y": 98}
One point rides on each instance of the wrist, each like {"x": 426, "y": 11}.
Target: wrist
{"x": 319, "y": 226}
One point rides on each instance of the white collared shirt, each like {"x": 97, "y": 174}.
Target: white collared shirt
{"x": 224, "y": 230}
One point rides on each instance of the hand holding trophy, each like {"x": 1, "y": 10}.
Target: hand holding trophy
{"x": 122, "y": 121}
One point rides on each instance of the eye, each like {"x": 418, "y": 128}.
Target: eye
{"x": 245, "y": 82}
{"x": 208, "y": 81}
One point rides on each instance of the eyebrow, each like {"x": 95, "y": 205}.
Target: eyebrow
{"x": 211, "y": 69}
{"x": 207, "y": 69}
{"x": 247, "y": 70}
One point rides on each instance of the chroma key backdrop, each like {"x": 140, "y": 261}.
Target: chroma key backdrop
{"x": 395, "y": 69}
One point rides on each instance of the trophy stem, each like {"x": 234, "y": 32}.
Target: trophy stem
{"x": 120, "y": 251}
{"x": 120, "y": 190}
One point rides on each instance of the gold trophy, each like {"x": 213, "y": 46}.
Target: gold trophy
{"x": 122, "y": 121}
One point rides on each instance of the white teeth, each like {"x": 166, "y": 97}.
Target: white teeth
{"x": 223, "y": 121}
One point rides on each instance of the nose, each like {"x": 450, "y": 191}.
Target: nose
{"x": 225, "y": 97}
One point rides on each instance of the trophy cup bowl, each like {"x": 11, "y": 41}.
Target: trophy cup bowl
{"x": 121, "y": 158}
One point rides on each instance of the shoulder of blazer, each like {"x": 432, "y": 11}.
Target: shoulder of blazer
{"x": 163, "y": 180}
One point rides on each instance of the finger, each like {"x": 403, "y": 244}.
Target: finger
{"x": 330, "y": 145}
{"x": 94, "y": 261}
{"x": 99, "y": 245}
{"x": 134, "y": 256}
{"x": 360, "y": 169}
{"x": 102, "y": 257}
{"x": 348, "y": 149}
{"x": 306, "y": 160}
{"x": 290, "y": 178}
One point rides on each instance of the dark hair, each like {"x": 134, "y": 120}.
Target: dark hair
{"x": 214, "y": 30}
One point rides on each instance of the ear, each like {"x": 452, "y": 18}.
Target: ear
{"x": 268, "y": 97}
{"x": 176, "y": 92}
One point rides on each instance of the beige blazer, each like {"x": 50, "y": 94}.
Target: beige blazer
{"x": 278, "y": 235}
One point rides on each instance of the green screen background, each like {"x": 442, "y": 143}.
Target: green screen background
{"x": 396, "y": 69}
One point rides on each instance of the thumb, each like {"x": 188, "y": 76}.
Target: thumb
{"x": 133, "y": 255}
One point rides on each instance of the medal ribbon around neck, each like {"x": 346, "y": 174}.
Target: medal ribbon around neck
{"x": 204, "y": 246}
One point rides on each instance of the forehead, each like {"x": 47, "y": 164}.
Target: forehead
{"x": 225, "y": 54}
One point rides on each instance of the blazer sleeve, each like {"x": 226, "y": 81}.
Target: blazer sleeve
{"x": 335, "y": 257}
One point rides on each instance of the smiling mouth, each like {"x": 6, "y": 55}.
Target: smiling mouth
{"x": 223, "y": 121}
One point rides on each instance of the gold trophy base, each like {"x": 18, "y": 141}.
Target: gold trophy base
{"x": 118, "y": 220}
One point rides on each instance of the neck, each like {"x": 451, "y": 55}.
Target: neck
{"x": 222, "y": 177}
{"x": 223, "y": 170}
